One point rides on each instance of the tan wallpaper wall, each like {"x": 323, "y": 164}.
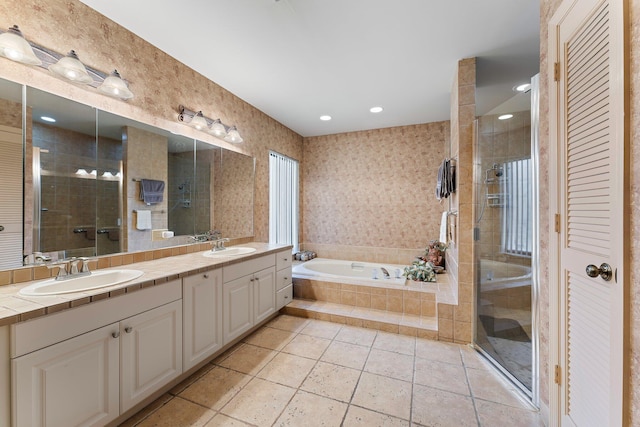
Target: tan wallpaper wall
{"x": 370, "y": 194}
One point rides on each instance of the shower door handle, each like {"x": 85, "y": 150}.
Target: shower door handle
{"x": 605, "y": 271}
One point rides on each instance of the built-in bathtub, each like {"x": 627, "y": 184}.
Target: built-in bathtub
{"x": 350, "y": 272}
{"x": 496, "y": 275}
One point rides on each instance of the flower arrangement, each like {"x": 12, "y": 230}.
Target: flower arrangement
{"x": 424, "y": 268}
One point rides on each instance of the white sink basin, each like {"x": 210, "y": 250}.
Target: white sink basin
{"x": 97, "y": 279}
{"x": 231, "y": 251}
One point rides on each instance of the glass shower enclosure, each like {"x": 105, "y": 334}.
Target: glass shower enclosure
{"x": 505, "y": 240}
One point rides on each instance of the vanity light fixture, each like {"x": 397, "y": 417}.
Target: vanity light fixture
{"x": 48, "y": 119}
{"x": 215, "y": 127}
{"x": 376, "y": 109}
{"x": 233, "y": 136}
{"x": 70, "y": 68}
{"x": 325, "y": 118}
{"x": 218, "y": 129}
{"x": 15, "y": 47}
{"x": 505, "y": 117}
{"x": 113, "y": 85}
{"x": 523, "y": 87}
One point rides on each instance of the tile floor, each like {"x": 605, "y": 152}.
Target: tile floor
{"x": 305, "y": 372}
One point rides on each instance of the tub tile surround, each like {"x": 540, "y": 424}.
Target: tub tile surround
{"x": 159, "y": 266}
{"x": 346, "y": 376}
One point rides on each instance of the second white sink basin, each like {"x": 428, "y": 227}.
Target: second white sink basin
{"x": 230, "y": 251}
{"x": 97, "y": 279}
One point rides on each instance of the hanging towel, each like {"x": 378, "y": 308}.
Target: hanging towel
{"x": 143, "y": 219}
{"x": 443, "y": 227}
{"x": 151, "y": 191}
{"x": 439, "y": 183}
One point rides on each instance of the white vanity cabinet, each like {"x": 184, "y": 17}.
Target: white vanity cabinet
{"x": 202, "y": 316}
{"x": 284, "y": 279}
{"x": 150, "y": 352}
{"x": 248, "y": 295}
{"x": 87, "y": 365}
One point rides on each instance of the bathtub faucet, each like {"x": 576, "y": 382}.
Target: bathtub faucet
{"x": 385, "y": 273}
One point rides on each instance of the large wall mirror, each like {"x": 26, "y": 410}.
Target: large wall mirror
{"x": 77, "y": 172}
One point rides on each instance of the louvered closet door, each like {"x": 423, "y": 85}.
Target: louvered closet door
{"x": 10, "y": 197}
{"x": 591, "y": 173}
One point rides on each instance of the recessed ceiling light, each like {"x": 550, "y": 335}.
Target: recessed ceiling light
{"x": 523, "y": 87}
{"x": 505, "y": 116}
{"x": 48, "y": 119}
{"x": 375, "y": 109}
{"x": 325, "y": 118}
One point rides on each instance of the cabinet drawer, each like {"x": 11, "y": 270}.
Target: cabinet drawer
{"x": 283, "y": 259}
{"x": 235, "y": 271}
{"x": 284, "y": 297}
{"x": 283, "y": 278}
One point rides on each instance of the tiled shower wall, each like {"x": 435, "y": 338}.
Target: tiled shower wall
{"x": 370, "y": 195}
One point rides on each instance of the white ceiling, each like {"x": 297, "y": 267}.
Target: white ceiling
{"x": 296, "y": 60}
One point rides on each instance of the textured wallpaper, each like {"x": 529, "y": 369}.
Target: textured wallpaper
{"x": 374, "y": 188}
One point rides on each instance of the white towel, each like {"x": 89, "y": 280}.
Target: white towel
{"x": 143, "y": 219}
{"x": 443, "y": 227}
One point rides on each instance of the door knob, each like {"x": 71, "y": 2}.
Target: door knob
{"x": 605, "y": 271}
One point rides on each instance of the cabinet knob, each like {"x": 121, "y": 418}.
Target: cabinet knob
{"x": 128, "y": 329}
{"x": 206, "y": 276}
{"x": 286, "y": 259}
{"x": 115, "y": 334}
{"x": 286, "y": 278}
{"x": 286, "y": 297}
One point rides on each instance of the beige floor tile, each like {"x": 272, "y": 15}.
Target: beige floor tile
{"x": 396, "y": 343}
{"x": 360, "y": 417}
{"x": 272, "y": 338}
{"x": 307, "y": 346}
{"x": 441, "y": 375}
{"x": 333, "y": 381}
{"x": 355, "y": 335}
{"x": 309, "y": 410}
{"x": 382, "y": 394}
{"x": 260, "y": 402}
{"x": 147, "y": 410}
{"x": 389, "y": 364}
{"x": 216, "y": 387}
{"x": 473, "y": 359}
{"x": 320, "y": 329}
{"x": 222, "y": 420}
{"x": 287, "y": 369}
{"x": 288, "y": 323}
{"x": 178, "y": 412}
{"x": 248, "y": 359}
{"x": 437, "y": 350}
{"x": 432, "y": 407}
{"x": 345, "y": 354}
{"x": 191, "y": 379}
{"x": 488, "y": 385}
{"x": 495, "y": 414}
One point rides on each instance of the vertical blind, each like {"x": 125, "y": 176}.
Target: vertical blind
{"x": 283, "y": 200}
{"x": 517, "y": 230}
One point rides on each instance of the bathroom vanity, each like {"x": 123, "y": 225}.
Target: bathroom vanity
{"x": 101, "y": 361}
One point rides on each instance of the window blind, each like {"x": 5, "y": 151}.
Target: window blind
{"x": 283, "y": 200}
{"x": 517, "y": 232}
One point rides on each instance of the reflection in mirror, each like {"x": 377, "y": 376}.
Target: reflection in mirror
{"x": 11, "y": 214}
{"x": 180, "y": 187}
{"x": 208, "y": 158}
{"x": 234, "y": 186}
{"x": 64, "y": 151}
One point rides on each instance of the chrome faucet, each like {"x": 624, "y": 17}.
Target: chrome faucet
{"x": 68, "y": 268}
{"x": 218, "y": 244}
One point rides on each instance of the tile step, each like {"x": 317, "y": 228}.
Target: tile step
{"x": 387, "y": 321}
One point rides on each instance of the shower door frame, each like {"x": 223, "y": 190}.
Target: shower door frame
{"x": 534, "y": 393}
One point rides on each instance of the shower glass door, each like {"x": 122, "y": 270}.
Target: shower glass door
{"x": 504, "y": 239}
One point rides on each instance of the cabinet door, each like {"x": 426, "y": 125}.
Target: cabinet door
{"x": 74, "y": 382}
{"x": 151, "y": 354}
{"x": 264, "y": 288}
{"x": 237, "y": 300}
{"x": 202, "y": 317}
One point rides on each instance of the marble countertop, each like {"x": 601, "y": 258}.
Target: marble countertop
{"x": 18, "y": 308}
